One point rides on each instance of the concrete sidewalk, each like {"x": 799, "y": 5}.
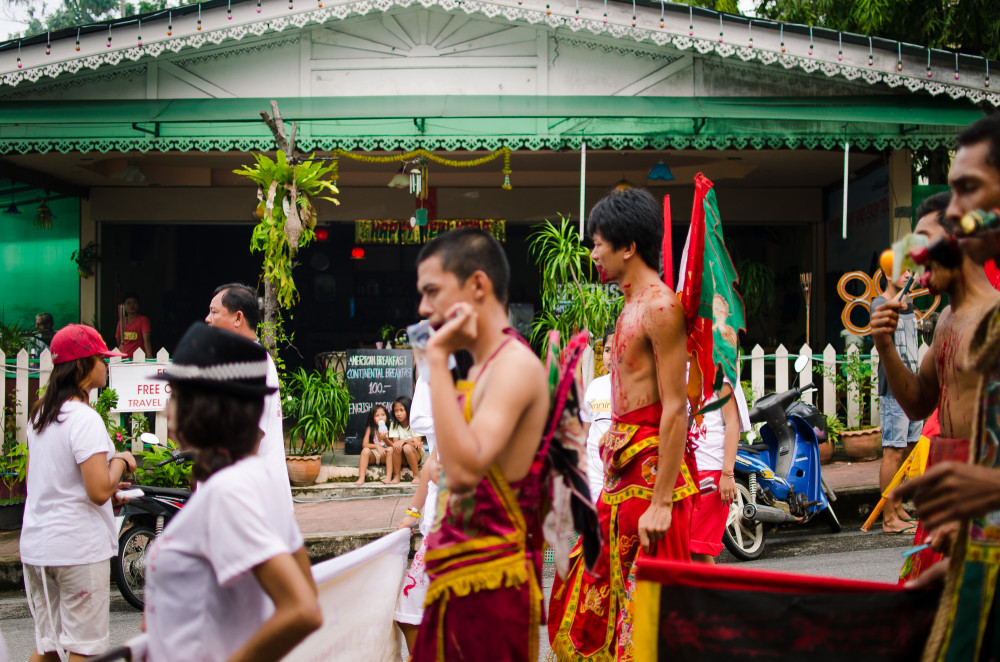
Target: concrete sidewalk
{"x": 337, "y": 517}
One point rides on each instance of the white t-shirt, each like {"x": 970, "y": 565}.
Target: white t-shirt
{"x": 62, "y": 526}
{"x": 272, "y": 446}
{"x": 202, "y": 599}
{"x": 422, "y": 423}
{"x": 711, "y": 439}
{"x": 597, "y": 412}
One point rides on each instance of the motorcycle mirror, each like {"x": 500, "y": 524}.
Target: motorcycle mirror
{"x": 799, "y": 366}
{"x": 149, "y": 439}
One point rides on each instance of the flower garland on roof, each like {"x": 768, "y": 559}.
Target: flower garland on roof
{"x": 417, "y": 154}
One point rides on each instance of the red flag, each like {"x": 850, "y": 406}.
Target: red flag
{"x": 668, "y": 247}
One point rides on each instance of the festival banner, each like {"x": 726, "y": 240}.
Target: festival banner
{"x": 397, "y": 232}
{"x": 688, "y": 612}
{"x": 357, "y": 593}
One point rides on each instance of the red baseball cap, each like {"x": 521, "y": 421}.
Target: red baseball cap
{"x": 78, "y": 341}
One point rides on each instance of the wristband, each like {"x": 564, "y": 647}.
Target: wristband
{"x": 122, "y": 460}
{"x": 732, "y": 475}
{"x": 413, "y": 512}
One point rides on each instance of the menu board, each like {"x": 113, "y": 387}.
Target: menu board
{"x": 374, "y": 377}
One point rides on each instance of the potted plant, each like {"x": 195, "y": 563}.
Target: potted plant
{"x": 834, "y": 428}
{"x": 855, "y": 382}
{"x": 572, "y": 299}
{"x": 386, "y": 332}
{"x": 317, "y": 403}
{"x": 86, "y": 259}
{"x": 13, "y": 468}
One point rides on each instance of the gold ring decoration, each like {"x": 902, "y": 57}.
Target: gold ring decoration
{"x": 873, "y": 288}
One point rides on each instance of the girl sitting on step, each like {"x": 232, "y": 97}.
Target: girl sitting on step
{"x": 375, "y": 448}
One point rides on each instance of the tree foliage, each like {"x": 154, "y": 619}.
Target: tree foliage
{"x": 48, "y": 17}
{"x": 968, "y": 26}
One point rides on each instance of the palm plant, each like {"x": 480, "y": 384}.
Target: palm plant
{"x": 318, "y": 403}
{"x": 571, "y": 299}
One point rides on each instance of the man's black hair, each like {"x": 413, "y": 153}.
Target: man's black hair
{"x": 626, "y": 216}
{"x": 468, "y": 250}
{"x": 986, "y": 129}
{"x": 936, "y": 204}
{"x": 130, "y": 295}
{"x": 241, "y": 298}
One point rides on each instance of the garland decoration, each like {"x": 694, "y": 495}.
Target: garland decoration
{"x": 423, "y": 154}
{"x": 397, "y": 232}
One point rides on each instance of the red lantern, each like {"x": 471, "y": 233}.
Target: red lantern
{"x": 322, "y": 234}
{"x": 358, "y": 253}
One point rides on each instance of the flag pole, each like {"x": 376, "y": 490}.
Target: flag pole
{"x": 583, "y": 182}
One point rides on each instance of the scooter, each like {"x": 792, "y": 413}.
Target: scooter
{"x": 778, "y": 479}
{"x": 144, "y": 513}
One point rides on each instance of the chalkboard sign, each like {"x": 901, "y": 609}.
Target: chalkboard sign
{"x": 374, "y": 377}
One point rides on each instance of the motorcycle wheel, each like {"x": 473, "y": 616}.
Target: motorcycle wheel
{"x": 744, "y": 539}
{"x": 128, "y": 568}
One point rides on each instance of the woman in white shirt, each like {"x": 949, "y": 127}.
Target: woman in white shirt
{"x": 68, "y": 533}
{"x": 229, "y": 578}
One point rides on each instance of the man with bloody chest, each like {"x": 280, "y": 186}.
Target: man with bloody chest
{"x": 649, "y": 469}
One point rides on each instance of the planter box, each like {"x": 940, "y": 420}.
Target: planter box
{"x": 862, "y": 445}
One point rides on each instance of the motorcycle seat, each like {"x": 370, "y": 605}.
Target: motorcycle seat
{"x": 754, "y": 448}
{"x": 165, "y": 491}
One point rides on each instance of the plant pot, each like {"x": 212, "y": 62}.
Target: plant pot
{"x": 826, "y": 452}
{"x": 11, "y": 515}
{"x": 862, "y": 445}
{"x": 303, "y": 469}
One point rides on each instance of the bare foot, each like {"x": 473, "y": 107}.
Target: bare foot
{"x": 395, "y": 480}
{"x": 897, "y": 526}
{"x": 360, "y": 481}
{"x": 903, "y": 515}
{"x": 386, "y": 480}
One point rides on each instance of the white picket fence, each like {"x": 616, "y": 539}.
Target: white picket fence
{"x": 775, "y": 371}
{"x": 24, "y": 371}
{"x": 780, "y": 365}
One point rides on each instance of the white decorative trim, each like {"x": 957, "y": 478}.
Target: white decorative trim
{"x": 223, "y": 372}
{"x": 508, "y": 10}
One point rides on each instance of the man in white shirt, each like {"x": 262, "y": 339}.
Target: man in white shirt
{"x": 596, "y": 417}
{"x": 234, "y": 308}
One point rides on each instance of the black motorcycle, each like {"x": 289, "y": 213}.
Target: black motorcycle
{"x": 140, "y": 521}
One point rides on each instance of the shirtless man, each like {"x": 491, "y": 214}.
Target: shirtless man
{"x": 963, "y": 495}
{"x": 649, "y": 476}
{"x": 484, "y": 600}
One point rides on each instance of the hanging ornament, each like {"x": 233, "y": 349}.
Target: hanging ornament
{"x": 109, "y": 36}
{"x": 987, "y": 71}
{"x": 633, "y": 13}
{"x": 415, "y": 181}
{"x": 140, "y": 33}
{"x": 750, "y": 33}
{"x": 229, "y": 10}
{"x": 577, "y": 17}
{"x": 319, "y": 4}
{"x": 928, "y": 62}
{"x": 199, "y": 17}
{"x": 720, "y": 27}
{"x": 19, "y": 65}
{"x": 258, "y": 6}
{"x": 810, "y": 40}
{"x": 871, "y": 55}
{"x": 605, "y": 11}
{"x": 899, "y": 56}
{"x": 956, "y": 65}
{"x": 781, "y": 36}
{"x": 548, "y": 10}
{"x": 78, "y": 39}
{"x": 840, "y": 47}
{"x": 48, "y": 43}
{"x": 170, "y": 23}
{"x": 690, "y": 20}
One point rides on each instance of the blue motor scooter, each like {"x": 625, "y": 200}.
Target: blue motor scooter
{"x": 778, "y": 479}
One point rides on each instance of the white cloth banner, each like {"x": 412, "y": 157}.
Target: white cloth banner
{"x": 357, "y": 592}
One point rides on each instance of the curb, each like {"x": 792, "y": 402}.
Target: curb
{"x": 853, "y": 505}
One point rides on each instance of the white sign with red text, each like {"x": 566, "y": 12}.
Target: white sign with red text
{"x": 136, "y": 388}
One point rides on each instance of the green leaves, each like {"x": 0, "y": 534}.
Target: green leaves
{"x": 169, "y": 475}
{"x": 571, "y": 299}
{"x": 269, "y": 236}
{"x": 318, "y": 403}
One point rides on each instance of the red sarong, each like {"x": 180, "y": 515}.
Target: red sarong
{"x": 591, "y": 614}
{"x": 942, "y": 450}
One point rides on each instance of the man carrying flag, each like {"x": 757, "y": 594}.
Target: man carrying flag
{"x": 649, "y": 471}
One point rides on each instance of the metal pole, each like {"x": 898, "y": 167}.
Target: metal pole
{"x": 583, "y": 182}
{"x": 843, "y": 231}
